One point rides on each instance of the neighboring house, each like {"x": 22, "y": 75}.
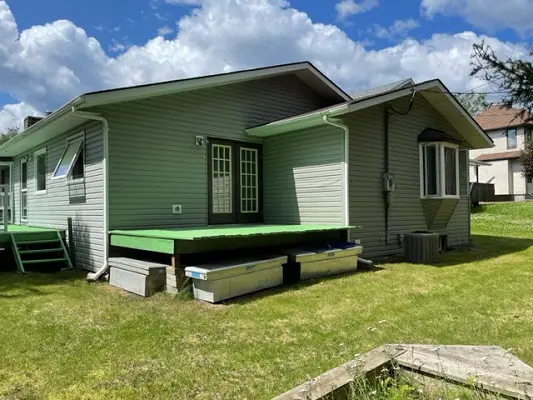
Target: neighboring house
{"x": 280, "y": 145}
{"x": 511, "y": 133}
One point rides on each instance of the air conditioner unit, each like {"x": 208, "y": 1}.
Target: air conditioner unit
{"x": 422, "y": 247}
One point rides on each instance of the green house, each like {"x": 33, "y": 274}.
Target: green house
{"x": 262, "y": 157}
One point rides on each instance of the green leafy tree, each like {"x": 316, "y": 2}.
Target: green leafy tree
{"x": 512, "y": 78}
{"x": 11, "y": 132}
{"x": 473, "y": 102}
{"x": 526, "y": 159}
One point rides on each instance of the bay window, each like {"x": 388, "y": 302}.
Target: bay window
{"x": 439, "y": 170}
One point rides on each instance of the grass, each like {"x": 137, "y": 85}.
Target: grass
{"x": 62, "y": 338}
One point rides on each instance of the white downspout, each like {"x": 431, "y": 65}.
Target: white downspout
{"x": 97, "y": 117}
{"x": 340, "y": 124}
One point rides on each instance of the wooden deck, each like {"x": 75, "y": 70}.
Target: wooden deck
{"x": 33, "y": 246}
{"x": 211, "y": 238}
{"x": 28, "y": 232}
{"x": 489, "y": 368}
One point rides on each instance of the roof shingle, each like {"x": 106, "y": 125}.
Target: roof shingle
{"x": 497, "y": 117}
{"x": 505, "y": 155}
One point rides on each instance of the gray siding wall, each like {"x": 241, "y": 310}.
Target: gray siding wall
{"x": 304, "y": 177}
{"x": 82, "y": 202}
{"x": 153, "y": 159}
{"x": 367, "y": 166}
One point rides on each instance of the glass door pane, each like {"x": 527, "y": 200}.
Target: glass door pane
{"x": 249, "y": 180}
{"x": 221, "y": 180}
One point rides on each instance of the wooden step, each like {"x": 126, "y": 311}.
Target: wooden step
{"x": 40, "y": 251}
{"x": 48, "y": 261}
{"x": 34, "y": 242}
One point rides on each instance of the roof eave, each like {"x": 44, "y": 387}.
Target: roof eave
{"x": 9, "y": 149}
{"x": 315, "y": 119}
{"x": 100, "y": 98}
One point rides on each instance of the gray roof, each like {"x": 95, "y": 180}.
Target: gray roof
{"x": 382, "y": 89}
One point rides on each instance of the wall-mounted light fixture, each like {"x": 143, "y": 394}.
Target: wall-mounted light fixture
{"x": 201, "y": 141}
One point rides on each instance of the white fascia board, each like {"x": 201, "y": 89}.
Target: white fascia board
{"x": 161, "y": 89}
{"x": 297, "y": 122}
{"x": 10, "y": 148}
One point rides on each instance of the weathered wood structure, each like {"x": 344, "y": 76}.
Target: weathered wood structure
{"x": 488, "y": 368}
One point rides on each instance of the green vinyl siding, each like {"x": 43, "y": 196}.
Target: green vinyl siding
{"x": 154, "y": 161}
{"x": 304, "y": 177}
{"x": 406, "y": 214}
{"x": 83, "y": 202}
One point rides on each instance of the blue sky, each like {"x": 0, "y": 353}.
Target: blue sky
{"x": 51, "y": 51}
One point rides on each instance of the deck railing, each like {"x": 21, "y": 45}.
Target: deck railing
{"x": 5, "y": 207}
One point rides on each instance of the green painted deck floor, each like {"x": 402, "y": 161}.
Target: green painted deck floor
{"x": 27, "y": 229}
{"x": 226, "y": 231}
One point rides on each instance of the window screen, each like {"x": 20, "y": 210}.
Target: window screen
{"x": 450, "y": 171}
{"x": 70, "y": 156}
{"x": 511, "y": 138}
{"x": 431, "y": 171}
{"x": 40, "y": 172}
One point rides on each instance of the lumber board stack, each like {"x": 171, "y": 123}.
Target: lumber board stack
{"x": 175, "y": 279}
{"x": 136, "y": 276}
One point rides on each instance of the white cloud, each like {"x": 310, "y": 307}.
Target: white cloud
{"x": 491, "y": 15}
{"x": 184, "y": 2}
{"x": 400, "y": 28}
{"x": 345, "y": 8}
{"x": 165, "y": 30}
{"x": 12, "y": 115}
{"x": 47, "y": 65}
{"x": 116, "y": 46}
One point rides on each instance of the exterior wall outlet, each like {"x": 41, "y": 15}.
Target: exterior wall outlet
{"x": 357, "y": 242}
{"x": 176, "y": 208}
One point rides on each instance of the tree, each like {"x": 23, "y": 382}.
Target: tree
{"x": 474, "y": 103}
{"x": 526, "y": 159}
{"x": 512, "y": 78}
{"x": 11, "y": 132}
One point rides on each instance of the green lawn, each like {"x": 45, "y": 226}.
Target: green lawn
{"x": 62, "y": 338}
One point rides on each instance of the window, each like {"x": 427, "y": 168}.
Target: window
{"x": 72, "y": 162}
{"x": 249, "y": 180}
{"x": 528, "y": 135}
{"x": 234, "y": 186}
{"x": 222, "y": 179}
{"x": 439, "y": 170}
{"x": 511, "y": 138}
{"x": 24, "y": 189}
{"x": 40, "y": 171}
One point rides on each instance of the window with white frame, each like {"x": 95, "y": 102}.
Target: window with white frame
{"x": 40, "y": 171}
{"x": 24, "y": 189}
{"x": 511, "y": 138}
{"x": 72, "y": 162}
{"x": 439, "y": 170}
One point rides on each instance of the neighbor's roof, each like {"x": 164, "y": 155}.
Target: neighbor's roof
{"x": 505, "y": 155}
{"x": 498, "y": 117}
{"x": 382, "y": 89}
{"x": 64, "y": 119}
{"x": 433, "y": 91}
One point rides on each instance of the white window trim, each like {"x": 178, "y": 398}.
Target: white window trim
{"x": 35, "y": 155}
{"x": 10, "y": 189}
{"x": 68, "y": 175}
{"x": 515, "y": 138}
{"x": 256, "y": 197}
{"x": 441, "y": 171}
{"x": 230, "y": 172}
{"x": 24, "y": 160}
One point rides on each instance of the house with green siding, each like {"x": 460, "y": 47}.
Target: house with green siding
{"x": 281, "y": 153}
